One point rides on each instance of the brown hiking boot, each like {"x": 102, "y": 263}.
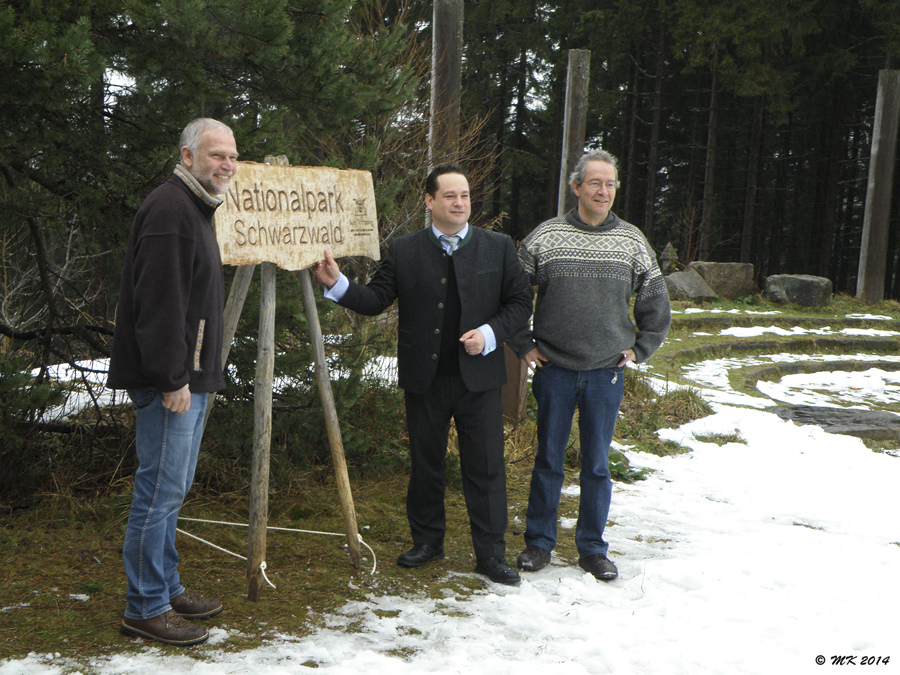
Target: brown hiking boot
{"x": 169, "y": 628}
{"x": 191, "y": 606}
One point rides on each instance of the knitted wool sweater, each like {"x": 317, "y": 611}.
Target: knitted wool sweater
{"x": 586, "y": 278}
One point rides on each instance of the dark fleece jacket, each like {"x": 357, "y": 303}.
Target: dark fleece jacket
{"x": 169, "y": 319}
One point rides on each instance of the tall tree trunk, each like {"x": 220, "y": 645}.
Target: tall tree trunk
{"x": 710, "y": 174}
{"x": 97, "y": 293}
{"x": 631, "y": 170}
{"x": 890, "y": 262}
{"x": 499, "y": 142}
{"x": 689, "y": 208}
{"x": 837, "y": 150}
{"x": 777, "y": 225}
{"x": 554, "y": 154}
{"x": 446, "y": 78}
{"x": 870, "y": 283}
{"x": 752, "y": 181}
{"x": 558, "y": 103}
{"x": 517, "y": 139}
{"x": 653, "y": 155}
{"x": 847, "y": 235}
{"x": 893, "y": 293}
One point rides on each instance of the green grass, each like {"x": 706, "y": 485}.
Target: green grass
{"x": 63, "y": 548}
{"x": 683, "y": 346}
{"x": 720, "y": 439}
{"x": 644, "y": 412}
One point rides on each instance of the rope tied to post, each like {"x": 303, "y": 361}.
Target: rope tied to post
{"x": 262, "y": 566}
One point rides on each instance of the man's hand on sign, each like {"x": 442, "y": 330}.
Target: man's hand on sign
{"x": 327, "y": 271}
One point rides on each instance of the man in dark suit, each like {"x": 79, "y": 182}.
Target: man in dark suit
{"x": 460, "y": 292}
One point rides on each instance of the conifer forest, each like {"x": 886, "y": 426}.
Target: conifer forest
{"x": 743, "y": 133}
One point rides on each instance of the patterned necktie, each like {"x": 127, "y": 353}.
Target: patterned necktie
{"x": 452, "y": 240}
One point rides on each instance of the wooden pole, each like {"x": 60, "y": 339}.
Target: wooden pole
{"x": 515, "y": 391}
{"x": 709, "y": 173}
{"x": 331, "y": 419}
{"x": 446, "y": 76}
{"x": 262, "y": 433}
{"x": 876, "y": 221}
{"x": 574, "y": 123}
{"x": 233, "y": 308}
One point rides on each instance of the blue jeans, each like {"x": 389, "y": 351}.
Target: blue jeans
{"x": 167, "y": 445}
{"x": 597, "y": 395}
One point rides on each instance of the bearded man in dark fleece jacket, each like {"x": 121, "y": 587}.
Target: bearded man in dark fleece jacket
{"x": 587, "y": 265}
{"x": 167, "y": 354}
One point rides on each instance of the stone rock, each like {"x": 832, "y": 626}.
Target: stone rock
{"x": 688, "y": 285}
{"x": 799, "y": 289}
{"x": 729, "y": 280}
{"x": 871, "y": 424}
{"x": 668, "y": 259}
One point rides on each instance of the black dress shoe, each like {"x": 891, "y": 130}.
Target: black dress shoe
{"x": 600, "y": 566}
{"x": 420, "y": 554}
{"x": 496, "y": 569}
{"x": 533, "y": 558}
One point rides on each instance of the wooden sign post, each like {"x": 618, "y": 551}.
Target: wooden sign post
{"x": 574, "y": 124}
{"x": 877, "y": 216}
{"x": 278, "y": 215}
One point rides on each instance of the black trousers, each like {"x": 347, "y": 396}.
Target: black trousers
{"x": 479, "y": 425}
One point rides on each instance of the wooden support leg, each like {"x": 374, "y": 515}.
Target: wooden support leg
{"x": 331, "y": 420}
{"x": 262, "y": 432}
{"x": 233, "y": 308}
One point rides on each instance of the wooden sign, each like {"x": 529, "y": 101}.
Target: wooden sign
{"x": 289, "y": 215}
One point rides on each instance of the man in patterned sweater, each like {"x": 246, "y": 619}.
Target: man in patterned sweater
{"x": 586, "y": 265}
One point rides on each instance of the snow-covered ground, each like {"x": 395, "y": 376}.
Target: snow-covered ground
{"x": 769, "y": 555}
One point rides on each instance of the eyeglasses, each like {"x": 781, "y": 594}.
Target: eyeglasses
{"x": 597, "y": 184}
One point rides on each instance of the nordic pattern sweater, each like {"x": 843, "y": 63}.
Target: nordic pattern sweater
{"x": 586, "y": 277}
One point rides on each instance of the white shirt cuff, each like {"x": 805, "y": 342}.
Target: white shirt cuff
{"x": 490, "y": 340}
{"x": 336, "y": 292}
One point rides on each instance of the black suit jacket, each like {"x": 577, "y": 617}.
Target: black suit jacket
{"x": 493, "y": 290}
